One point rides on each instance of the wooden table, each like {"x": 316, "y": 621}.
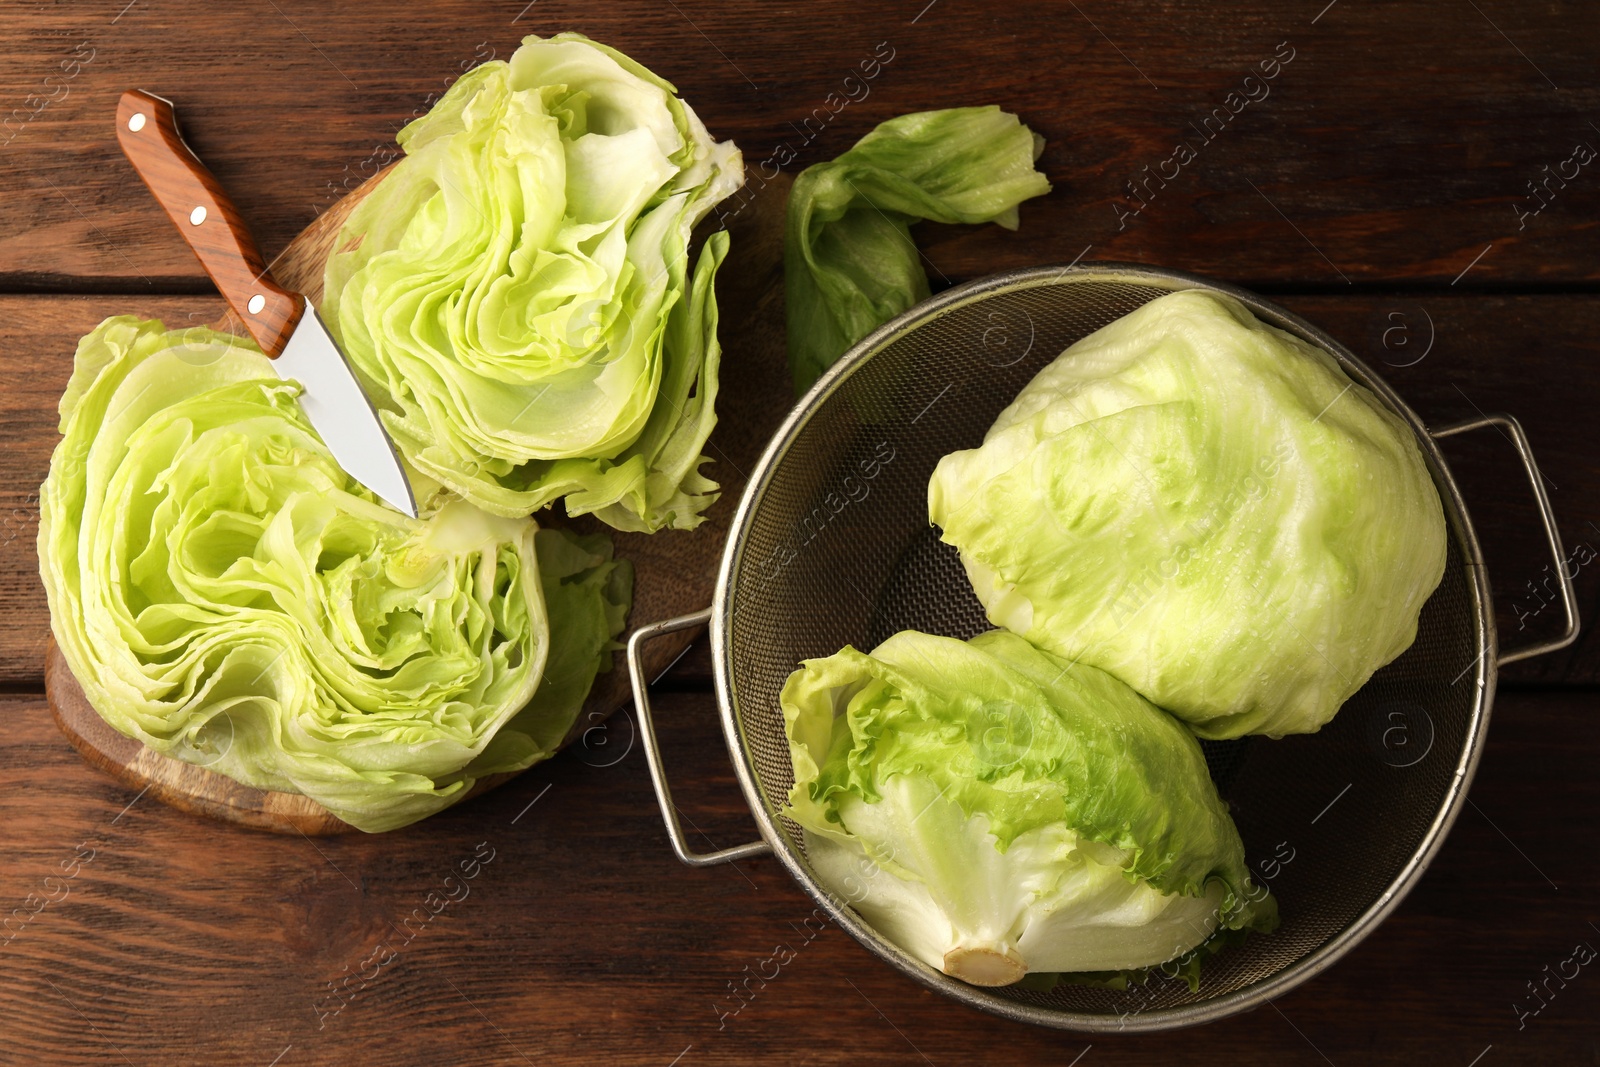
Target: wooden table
{"x": 1406, "y": 178}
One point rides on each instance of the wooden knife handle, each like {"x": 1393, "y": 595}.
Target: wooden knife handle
{"x": 147, "y": 129}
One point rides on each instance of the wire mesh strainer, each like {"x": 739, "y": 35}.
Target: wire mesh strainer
{"x": 831, "y": 546}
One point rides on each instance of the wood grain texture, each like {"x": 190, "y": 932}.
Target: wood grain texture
{"x": 1406, "y": 146}
{"x": 583, "y": 940}
{"x": 1398, "y": 141}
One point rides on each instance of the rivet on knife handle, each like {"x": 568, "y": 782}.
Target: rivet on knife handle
{"x": 147, "y": 129}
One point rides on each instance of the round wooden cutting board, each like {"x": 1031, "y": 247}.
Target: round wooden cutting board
{"x": 674, "y": 570}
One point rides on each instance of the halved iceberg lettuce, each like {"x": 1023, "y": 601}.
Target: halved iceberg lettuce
{"x": 227, "y": 595}
{"x": 517, "y": 292}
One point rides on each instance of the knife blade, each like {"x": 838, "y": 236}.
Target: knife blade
{"x": 283, "y": 323}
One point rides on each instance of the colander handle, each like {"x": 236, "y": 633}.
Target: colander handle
{"x": 652, "y": 751}
{"x": 1519, "y": 440}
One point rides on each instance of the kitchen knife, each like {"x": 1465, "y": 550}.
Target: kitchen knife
{"x": 284, "y": 324}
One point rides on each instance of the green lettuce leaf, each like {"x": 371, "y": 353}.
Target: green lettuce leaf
{"x": 1207, "y": 508}
{"x": 586, "y": 595}
{"x": 227, "y": 595}
{"x": 996, "y": 811}
{"x": 850, "y": 264}
{"x": 517, "y": 292}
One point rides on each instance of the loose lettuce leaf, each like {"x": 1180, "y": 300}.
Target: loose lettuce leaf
{"x": 1207, "y": 508}
{"x": 227, "y": 595}
{"x": 995, "y": 810}
{"x": 517, "y": 292}
{"x": 850, "y": 264}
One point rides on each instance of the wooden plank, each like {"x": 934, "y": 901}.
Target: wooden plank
{"x": 1393, "y": 141}
{"x": 1396, "y": 146}
{"x": 1522, "y": 354}
{"x": 582, "y": 940}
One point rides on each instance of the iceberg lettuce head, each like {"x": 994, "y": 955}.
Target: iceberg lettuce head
{"x": 1207, "y": 508}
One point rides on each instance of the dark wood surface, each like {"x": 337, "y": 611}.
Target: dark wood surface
{"x": 1381, "y": 183}
{"x": 187, "y": 941}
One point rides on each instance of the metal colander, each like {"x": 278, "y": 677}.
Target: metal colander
{"x": 831, "y": 546}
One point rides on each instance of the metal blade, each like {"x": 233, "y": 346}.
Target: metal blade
{"x": 332, "y": 399}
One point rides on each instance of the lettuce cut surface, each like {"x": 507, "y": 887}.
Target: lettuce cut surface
{"x": 1207, "y": 508}
{"x": 850, "y": 264}
{"x": 227, "y": 595}
{"x": 995, "y": 810}
{"x": 518, "y": 291}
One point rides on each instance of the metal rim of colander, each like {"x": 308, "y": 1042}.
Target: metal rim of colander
{"x": 1240, "y": 1000}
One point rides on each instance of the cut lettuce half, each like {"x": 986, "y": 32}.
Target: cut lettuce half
{"x": 228, "y": 596}
{"x": 996, "y": 811}
{"x": 1209, "y": 509}
{"x": 519, "y": 293}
